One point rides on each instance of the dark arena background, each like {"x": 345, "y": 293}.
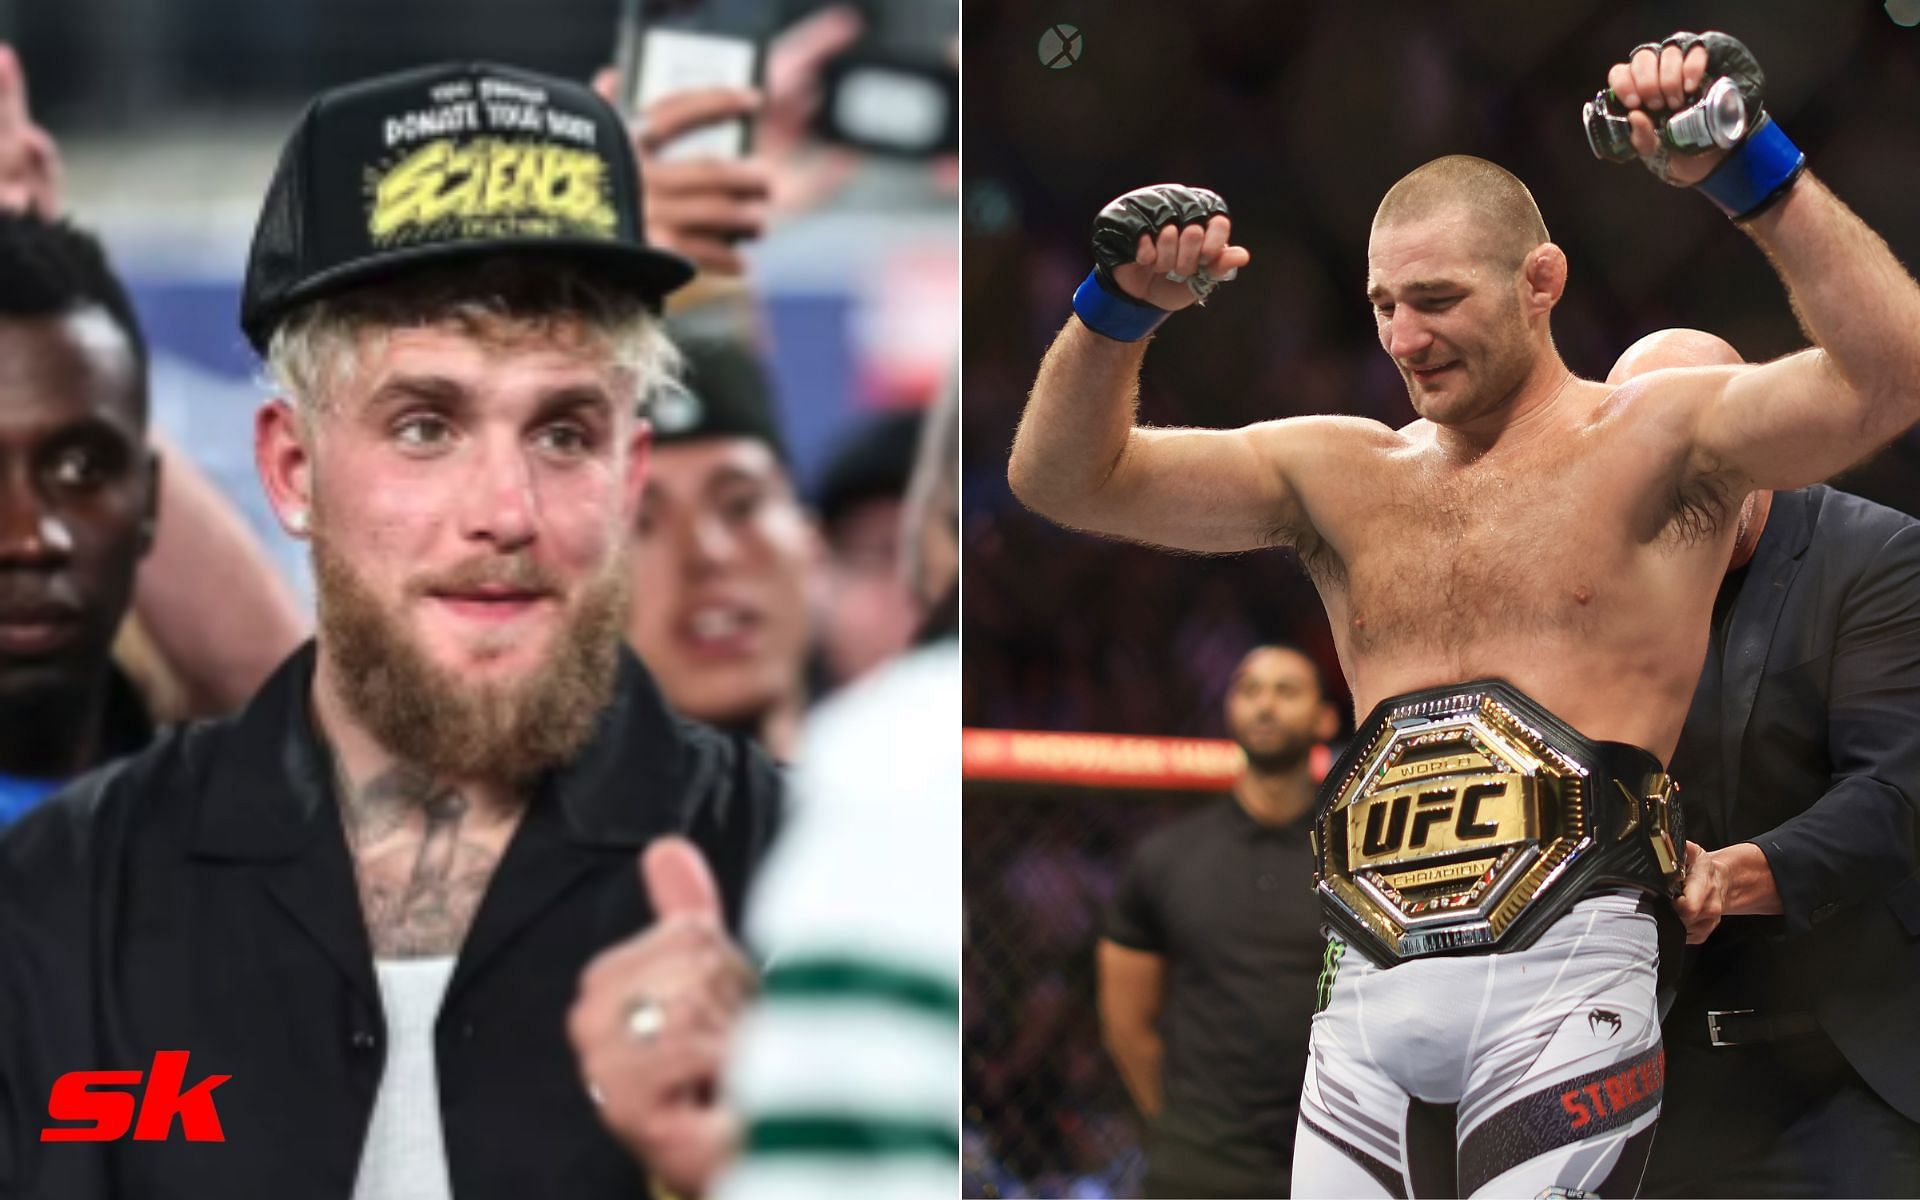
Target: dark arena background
{"x": 1301, "y": 115}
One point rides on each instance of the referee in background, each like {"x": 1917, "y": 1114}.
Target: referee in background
{"x": 1212, "y": 948}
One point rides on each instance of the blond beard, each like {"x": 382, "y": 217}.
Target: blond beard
{"x": 431, "y": 718}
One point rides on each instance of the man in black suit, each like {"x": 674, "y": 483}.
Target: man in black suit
{"x": 1793, "y": 1048}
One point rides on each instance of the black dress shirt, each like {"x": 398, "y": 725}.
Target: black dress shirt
{"x": 1229, "y": 903}
{"x": 200, "y": 897}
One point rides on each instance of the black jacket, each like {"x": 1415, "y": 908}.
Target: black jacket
{"x": 1804, "y": 738}
{"x": 200, "y": 897}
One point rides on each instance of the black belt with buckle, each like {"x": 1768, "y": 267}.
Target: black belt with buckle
{"x": 1744, "y": 1027}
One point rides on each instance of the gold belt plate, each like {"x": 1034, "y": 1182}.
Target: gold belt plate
{"x": 1452, "y": 821}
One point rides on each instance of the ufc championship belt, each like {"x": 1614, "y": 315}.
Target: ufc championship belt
{"x": 1466, "y": 819}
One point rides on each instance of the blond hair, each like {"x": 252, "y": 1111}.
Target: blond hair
{"x": 500, "y": 301}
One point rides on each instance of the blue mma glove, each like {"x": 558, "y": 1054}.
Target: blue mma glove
{"x": 1730, "y": 115}
{"x": 1101, "y": 304}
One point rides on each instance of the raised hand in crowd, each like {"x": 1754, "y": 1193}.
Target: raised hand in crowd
{"x": 29, "y": 158}
{"x": 705, "y": 207}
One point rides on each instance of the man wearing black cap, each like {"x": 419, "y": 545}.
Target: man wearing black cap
{"x": 329, "y": 944}
{"x": 725, "y": 559}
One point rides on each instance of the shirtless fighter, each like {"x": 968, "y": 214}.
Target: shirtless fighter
{"x": 1519, "y": 584}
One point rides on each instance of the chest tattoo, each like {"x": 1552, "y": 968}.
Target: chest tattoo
{"x": 420, "y": 866}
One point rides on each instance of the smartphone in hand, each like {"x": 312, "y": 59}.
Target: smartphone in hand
{"x": 663, "y": 49}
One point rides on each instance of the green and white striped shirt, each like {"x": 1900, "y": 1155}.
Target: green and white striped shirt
{"x": 846, "y": 1071}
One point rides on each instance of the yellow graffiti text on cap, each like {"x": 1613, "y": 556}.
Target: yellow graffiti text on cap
{"x": 490, "y": 187}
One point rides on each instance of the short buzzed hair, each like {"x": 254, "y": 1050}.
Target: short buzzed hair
{"x": 1498, "y": 202}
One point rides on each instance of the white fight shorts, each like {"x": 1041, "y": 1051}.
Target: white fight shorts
{"x": 1532, "y": 1072}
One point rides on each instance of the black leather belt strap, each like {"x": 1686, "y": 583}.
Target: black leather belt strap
{"x": 1743, "y": 1026}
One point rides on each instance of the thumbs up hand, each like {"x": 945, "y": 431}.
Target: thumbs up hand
{"x": 678, "y": 881}
{"x": 654, "y": 1020}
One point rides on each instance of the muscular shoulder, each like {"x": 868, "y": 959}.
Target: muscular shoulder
{"x": 1645, "y": 432}
{"x": 1324, "y": 458}
{"x": 1663, "y": 399}
{"x": 1660, "y": 411}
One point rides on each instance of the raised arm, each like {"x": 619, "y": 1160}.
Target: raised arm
{"x": 1802, "y": 418}
{"x": 1799, "y": 419}
{"x": 1080, "y": 460}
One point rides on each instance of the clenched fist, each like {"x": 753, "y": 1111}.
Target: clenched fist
{"x": 1168, "y": 245}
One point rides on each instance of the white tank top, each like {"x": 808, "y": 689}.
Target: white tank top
{"x": 405, "y": 1158}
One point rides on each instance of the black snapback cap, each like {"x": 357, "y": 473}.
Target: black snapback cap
{"x": 460, "y": 160}
{"x": 875, "y": 461}
{"x": 723, "y": 391}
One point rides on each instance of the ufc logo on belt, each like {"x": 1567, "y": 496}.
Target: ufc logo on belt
{"x": 91, "y": 1096}
{"x": 1388, "y": 828}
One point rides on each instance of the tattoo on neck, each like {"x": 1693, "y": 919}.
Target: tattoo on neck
{"x": 378, "y": 809}
{"x": 422, "y": 870}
